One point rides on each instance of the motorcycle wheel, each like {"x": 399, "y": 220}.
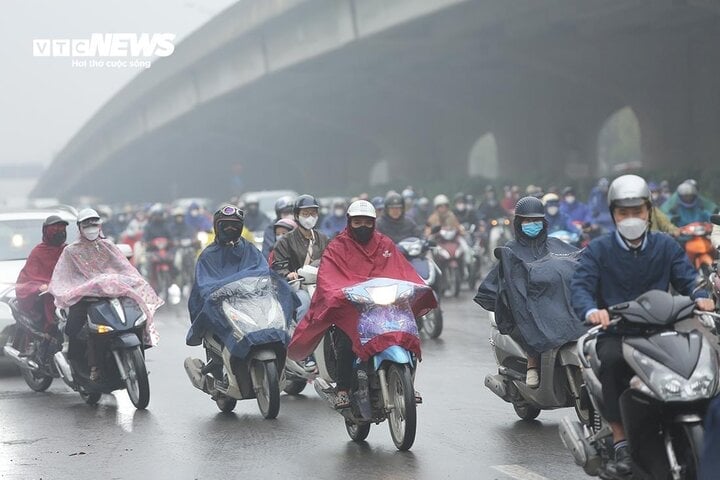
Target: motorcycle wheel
{"x": 36, "y": 382}
{"x": 688, "y": 443}
{"x": 225, "y": 404}
{"x": 268, "y": 392}
{"x": 137, "y": 384}
{"x": 91, "y": 398}
{"x": 526, "y": 412}
{"x": 295, "y": 387}
{"x": 433, "y": 323}
{"x": 163, "y": 279}
{"x": 358, "y": 431}
{"x": 403, "y": 417}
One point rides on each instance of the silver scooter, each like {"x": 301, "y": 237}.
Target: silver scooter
{"x": 560, "y": 378}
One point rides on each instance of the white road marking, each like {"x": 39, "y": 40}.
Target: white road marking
{"x": 518, "y": 472}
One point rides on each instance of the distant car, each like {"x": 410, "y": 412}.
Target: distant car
{"x": 267, "y": 199}
{"x": 20, "y": 231}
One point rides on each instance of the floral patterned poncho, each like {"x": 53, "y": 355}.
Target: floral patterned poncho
{"x": 99, "y": 269}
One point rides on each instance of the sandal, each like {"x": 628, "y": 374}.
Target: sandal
{"x": 342, "y": 400}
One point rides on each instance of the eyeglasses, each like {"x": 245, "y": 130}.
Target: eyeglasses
{"x": 308, "y": 212}
{"x": 90, "y": 221}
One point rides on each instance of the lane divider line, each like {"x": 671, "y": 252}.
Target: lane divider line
{"x": 518, "y": 472}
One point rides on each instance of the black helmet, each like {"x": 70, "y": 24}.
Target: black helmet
{"x": 393, "y": 200}
{"x": 227, "y": 213}
{"x": 283, "y": 204}
{"x": 459, "y": 197}
{"x": 530, "y": 207}
{"x": 302, "y": 202}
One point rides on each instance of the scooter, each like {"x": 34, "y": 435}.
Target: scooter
{"x": 418, "y": 253}
{"x": 698, "y": 247}
{"x": 384, "y": 388}
{"x": 160, "y": 259}
{"x": 560, "y": 378}
{"x": 451, "y": 260}
{"x": 30, "y": 347}
{"x": 675, "y": 377}
{"x": 251, "y": 367}
{"x": 116, "y": 327}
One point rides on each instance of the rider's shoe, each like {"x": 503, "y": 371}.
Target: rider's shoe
{"x": 622, "y": 466}
{"x": 533, "y": 378}
{"x": 342, "y": 400}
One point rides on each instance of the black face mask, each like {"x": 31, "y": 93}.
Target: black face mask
{"x": 362, "y": 234}
{"x": 58, "y": 238}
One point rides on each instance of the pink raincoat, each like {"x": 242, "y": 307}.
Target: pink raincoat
{"x": 99, "y": 269}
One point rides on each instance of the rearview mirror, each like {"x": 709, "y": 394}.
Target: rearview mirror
{"x": 715, "y": 219}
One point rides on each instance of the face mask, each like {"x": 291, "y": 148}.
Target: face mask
{"x": 308, "y": 222}
{"x": 632, "y": 228}
{"x": 58, "y": 238}
{"x": 460, "y": 207}
{"x": 654, "y": 197}
{"x": 229, "y": 235}
{"x": 362, "y": 234}
{"x": 532, "y": 229}
{"x": 339, "y": 212}
{"x": 552, "y": 211}
{"x": 90, "y": 233}
{"x": 570, "y": 200}
{"x": 279, "y": 237}
{"x": 194, "y": 213}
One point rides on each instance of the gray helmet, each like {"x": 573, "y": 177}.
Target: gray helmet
{"x": 628, "y": 191}
{"x": 686, "y": 189}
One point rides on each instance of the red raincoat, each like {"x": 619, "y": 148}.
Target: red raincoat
{"x": 37, "y": 271}
{"x": 345, "y": 263}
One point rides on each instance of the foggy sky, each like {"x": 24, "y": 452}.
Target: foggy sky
{"x": 44, "y": 101}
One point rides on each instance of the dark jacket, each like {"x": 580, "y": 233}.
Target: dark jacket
{"x": 610, "y": 274}
{"x": 290, "y": 251}
{"x": 398, "y": 229}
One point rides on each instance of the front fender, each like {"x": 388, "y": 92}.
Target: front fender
{"x": 124, "y": 341}
{"x": 395, "y": 354}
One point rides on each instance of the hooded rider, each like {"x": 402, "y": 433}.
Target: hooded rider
{"x": 394, "y": 223}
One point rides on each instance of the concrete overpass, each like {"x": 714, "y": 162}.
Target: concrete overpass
{"x": 315, "y": 93}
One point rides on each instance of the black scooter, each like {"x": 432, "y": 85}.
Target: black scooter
{"x": 675, "y": 376}
{"x": 116, "y": 327}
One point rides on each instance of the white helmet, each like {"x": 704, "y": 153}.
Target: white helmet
{"x": 361, "y": 208}
{"x": 441, "y": 200}
{"x": 87, "y": 214}
{"x": 628, "y": 191}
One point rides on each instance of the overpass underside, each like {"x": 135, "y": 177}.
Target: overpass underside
{"x": 541, "y": 76}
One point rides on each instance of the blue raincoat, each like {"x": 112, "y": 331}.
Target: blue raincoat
{"x": 219, "y": 266}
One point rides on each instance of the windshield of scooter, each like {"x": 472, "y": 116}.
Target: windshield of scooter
{"x": 251, "y": 304}
{"x": 385, "y": 306}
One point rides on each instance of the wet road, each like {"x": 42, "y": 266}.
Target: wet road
{"x": 464, "y": 431}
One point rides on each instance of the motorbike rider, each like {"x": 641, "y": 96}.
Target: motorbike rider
{"x": 556, "y": 220}
{"x": 94, "y": 267}
{"x": 336, "y": 222}
{"x": 357, "y": 254}
{"x": 37, "y": 272}
{"x": 688, "y": 208}
{"x": 464, "y": 209}
{"x": 303, "y": 246}
{"x": 573, "y": 209}
{"x": 283, "y": 209}
{"x": 394, "y": 223}
{"x": 156, "y": 226}
{"x": 618, "y": 267}
{"x": 281, "y": 228}
{"x": 531, "y": 243}
{"x": 597, "y": 203}
{"x": 255, "y": 219}
{"x": 442, "y": 216}
{"x": 673, "y": 198}
{"x": 178, "y": 229}
{"x": 490, "y": 208}
{"x": 197, "y": 218}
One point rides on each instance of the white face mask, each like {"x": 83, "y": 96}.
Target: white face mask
{"x": 339, "y": 212}
{"x": 552, "y": 211}
{"x": 90, "y": 233}
{"x": 308, "y": 222}
{"x": 632, "y": 228}
{"x": 570, "y": 199}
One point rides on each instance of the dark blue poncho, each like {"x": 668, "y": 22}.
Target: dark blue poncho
{"x": 217, "y": 267}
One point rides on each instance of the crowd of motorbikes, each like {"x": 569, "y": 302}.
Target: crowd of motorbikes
{"x": 676, "y": 368}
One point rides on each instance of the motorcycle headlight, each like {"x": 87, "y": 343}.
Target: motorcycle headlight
{"x": 383, "y": 295}
{"x": 670, "y": 386}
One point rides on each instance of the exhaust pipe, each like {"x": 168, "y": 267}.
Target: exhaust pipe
{"x": 21, "y": 362}
{"x": 572, "y": 437}
{"x": 496, "y": 385}
{"x": 193, "y": 368}
{"x": 64, "y": 369}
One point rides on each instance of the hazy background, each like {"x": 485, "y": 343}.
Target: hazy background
{"x": 44, "y": 101}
